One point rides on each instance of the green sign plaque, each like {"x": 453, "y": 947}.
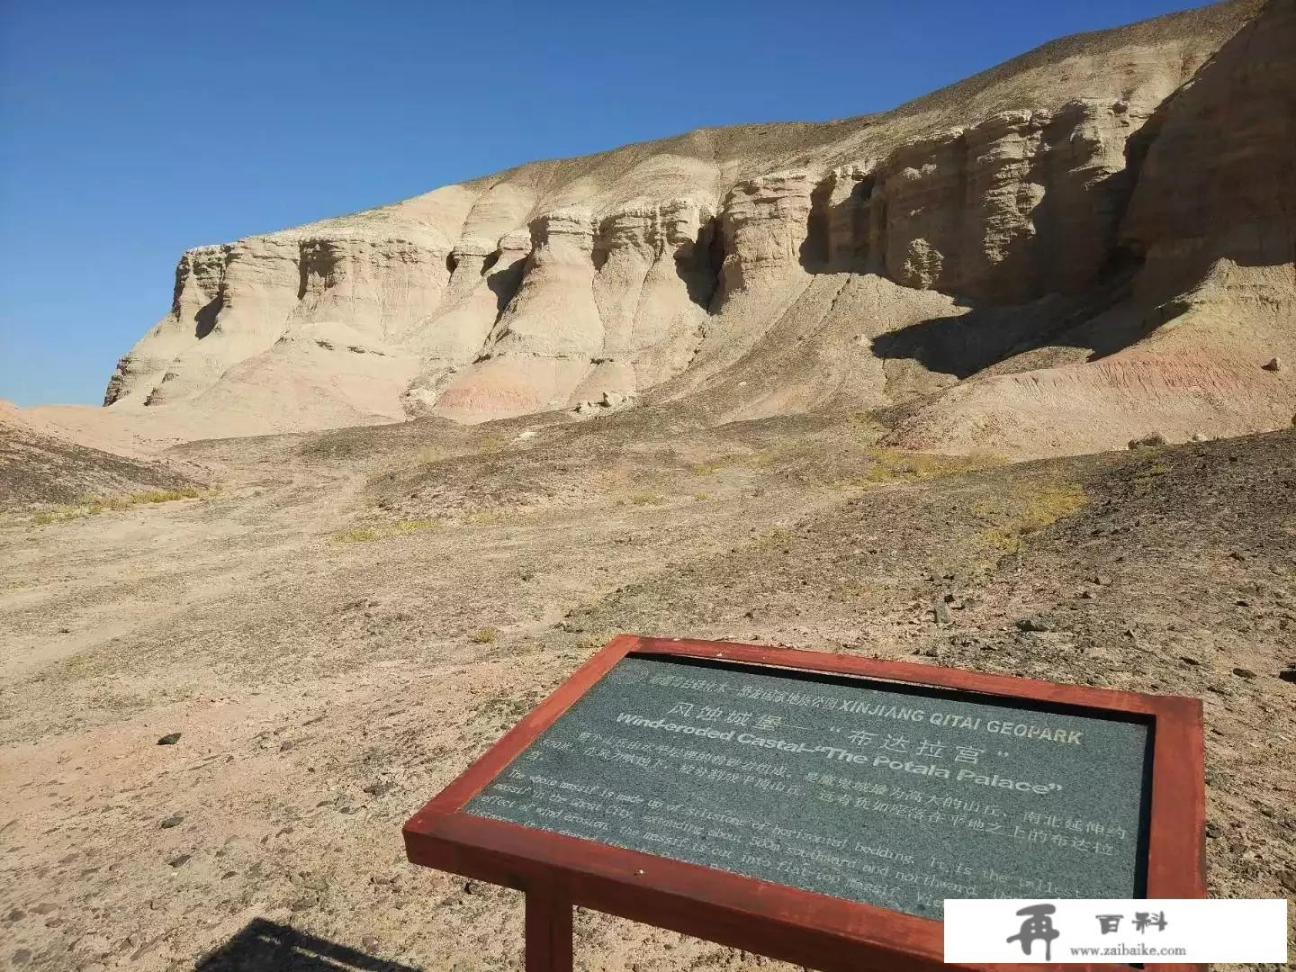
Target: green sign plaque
{"x": 886, "y": 794}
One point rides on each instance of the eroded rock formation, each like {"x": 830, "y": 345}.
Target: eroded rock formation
{"x": 1036, "y": 217}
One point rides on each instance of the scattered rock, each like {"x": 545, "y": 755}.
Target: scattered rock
{"x": 1244, "y": 673}
{"x": 1273, "y": 364}
{"x": 1189, "y": 660}
{"x": 470, "y": 887}
{"x": 1288, "y": 674}
{"x": 1198, "y": 437}
{"x": 170, "y": 739}
{"x": 941, "y": 612}
{"x": 178, "y": 860}
{"x": 175, "y": 820}
{"x": 1035, "y": 624}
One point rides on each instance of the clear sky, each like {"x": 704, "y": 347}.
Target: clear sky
{"x": 132, "y": 130}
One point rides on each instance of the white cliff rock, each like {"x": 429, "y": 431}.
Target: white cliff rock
{"x": 1063, "y": 204}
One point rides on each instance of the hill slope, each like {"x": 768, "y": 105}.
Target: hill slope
{"x": 1085, "y": 244}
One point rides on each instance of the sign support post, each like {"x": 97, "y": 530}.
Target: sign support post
{"x": 548, "y": 932}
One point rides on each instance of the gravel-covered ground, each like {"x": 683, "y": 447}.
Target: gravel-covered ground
{"x": 344, "y": 621}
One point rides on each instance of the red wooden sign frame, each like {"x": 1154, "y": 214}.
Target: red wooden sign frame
{"x": 813, "y": 930}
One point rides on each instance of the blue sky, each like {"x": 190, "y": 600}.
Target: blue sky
{"x": 131, "y": 131}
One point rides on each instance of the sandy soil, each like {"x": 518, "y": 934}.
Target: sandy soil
{"x": 343, "y": 621}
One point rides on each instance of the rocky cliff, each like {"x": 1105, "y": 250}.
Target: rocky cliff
{"x": 1046, "y": 257}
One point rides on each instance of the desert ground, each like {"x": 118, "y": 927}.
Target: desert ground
{"x": 372, "y": 487}
{"x": 336, "y": 624}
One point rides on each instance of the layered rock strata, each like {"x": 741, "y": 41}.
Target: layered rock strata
{"x": 992, "y": 218}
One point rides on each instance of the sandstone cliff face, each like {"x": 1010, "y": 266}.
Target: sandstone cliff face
{"x": 1211, "y": 226}
{"x": 1218, "y": 166}
{"x": 867, "y": 262}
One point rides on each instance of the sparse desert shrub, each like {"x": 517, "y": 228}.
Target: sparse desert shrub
{"x": 1152, "y": 441}
{"x": 1145, "y": 476}
{"x": 484, "y": 636}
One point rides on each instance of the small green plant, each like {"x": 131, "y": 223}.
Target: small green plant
{"x": 484, "y": 636}
{"x": 647, "y": 499}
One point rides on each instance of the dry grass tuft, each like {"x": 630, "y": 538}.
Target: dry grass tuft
{"x": 1030, "y": 512}
{"x": 647, "y": 499}
{"x": 712, "y": 466}
{"x": 891, "y": 466}
{"x": 386, "y": 531}
{"x": 95, "y": 506}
